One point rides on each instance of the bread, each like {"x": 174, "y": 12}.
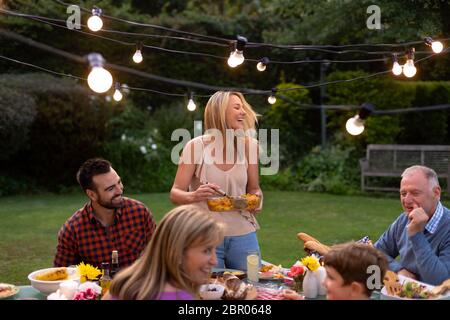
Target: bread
{"x": 442, "y": 288}
{"x": 318, "y": 247}
{"x": 306, "y": 237}
{"x": 235, "y": 289}
{"x": 53, "y": 275}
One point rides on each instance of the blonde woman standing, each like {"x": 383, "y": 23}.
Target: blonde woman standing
{"x": 225, "y": 158}
{"x": 176, "y": 262}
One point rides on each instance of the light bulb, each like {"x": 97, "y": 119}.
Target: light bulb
{"x": 437, "y": 46}
{"x": 236, "y": 58}
{"x": 95, "y": 23}
{"x": 261, "y": 66}
{"x": 354, "y": 126}
{"x": 117, "y": 95}
{"x": 397, "y": 69}
{"x": 100, "y": 80}
{"x": 409, "y": 70}
{"x": 272, "y": 99}
{"x": 191, "y": 105}
{"x": 137, "y": 57}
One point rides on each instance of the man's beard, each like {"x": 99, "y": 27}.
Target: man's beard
{"x": 109, "y": 204}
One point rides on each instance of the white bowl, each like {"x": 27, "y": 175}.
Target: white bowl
{"x": 211, "y": 291}
{"x": 47, "y": 287}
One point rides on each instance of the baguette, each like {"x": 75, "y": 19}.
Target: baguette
{"x": 317, "y": 247}
{"x": 53, "y": 275}
{"x": 306, "y": 237}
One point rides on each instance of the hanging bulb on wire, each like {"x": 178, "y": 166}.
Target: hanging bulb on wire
{"x": 272, "y": 98}
{"x": 137, "y": 57}
{"x": 191, "y": 104}
{"x": 409, "y": 70}
{"x": 99, "y": 80}
{"x": 436, "y": 46}
{"x": 117, "y": 96}
{"x": 396, "y": 67}
{"x": 237, "y": 55}
{"x": 262, "y": 64}
{"x": 355, "y": 125}
{"x": 95, "y": 23}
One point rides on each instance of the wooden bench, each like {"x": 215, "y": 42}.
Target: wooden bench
{"x": 389, "y": 160}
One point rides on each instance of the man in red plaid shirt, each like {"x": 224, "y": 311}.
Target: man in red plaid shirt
{"x": 107, "y": 222}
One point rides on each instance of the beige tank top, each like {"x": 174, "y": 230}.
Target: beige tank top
{"x": 232, "y": 181}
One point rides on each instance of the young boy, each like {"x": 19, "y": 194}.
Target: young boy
{"x": 347, "y": 271}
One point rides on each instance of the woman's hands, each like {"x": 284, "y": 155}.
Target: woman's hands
{"x": 205, "y": 191}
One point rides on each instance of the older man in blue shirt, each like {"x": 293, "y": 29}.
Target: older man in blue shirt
{"x": 421, "y": 235}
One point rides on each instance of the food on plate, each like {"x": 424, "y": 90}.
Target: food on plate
{"x": 53, "y": 275}
{"x": 266, "y": 267}
{"x": 7, "y": 290}
{"x": 239, "y": 274}
{"x": 235, "y": 288}
{"x": 407, "y": 289}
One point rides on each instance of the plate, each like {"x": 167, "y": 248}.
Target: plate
{"x": 7, "y": 290}
{"x": 218, "y": 272}
{"x": 269, "y": 275}
{"x": 402, "y": 279}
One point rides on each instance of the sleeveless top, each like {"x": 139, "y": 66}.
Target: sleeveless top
{"x": 232, "y": 181}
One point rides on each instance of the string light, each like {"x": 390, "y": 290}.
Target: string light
{"x": 436, "y": 46}
{"x": 117, "y": 96}
{"x": 191, "y": 104}
{"x": 137, "y": 57}
{"x": 237, "y": 55}
{"x": 262, "y": 64}
{"x": 95, "y": 23}
{"x": 272, "y": 99}
{"x": 99, "y": 80}
{"x": 355, "y": 125}
{"x": 396, "y": 67}
{"x": 409, "y": 70}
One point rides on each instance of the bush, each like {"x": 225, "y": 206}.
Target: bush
{"x": 17, "y": 113}
{"x": 330, "y": 170}
{"x": 70, "y": 126}
{"x": 295, "y": 122}
{"x": 140, "y": 146}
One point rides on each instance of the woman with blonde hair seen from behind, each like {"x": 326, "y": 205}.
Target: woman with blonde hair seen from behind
{"x": 224, "y": 160}
{"x": 176, "y": 262}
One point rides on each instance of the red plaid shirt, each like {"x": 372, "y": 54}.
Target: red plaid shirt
{"x": 82, "y": 238}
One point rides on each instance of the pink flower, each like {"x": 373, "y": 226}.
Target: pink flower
{"x": 87, "y": 294}
{"x": 296, "y": 270}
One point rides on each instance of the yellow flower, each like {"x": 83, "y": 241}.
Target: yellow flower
{"x": 88, "y": 272}
{"x": 311, "y": 263}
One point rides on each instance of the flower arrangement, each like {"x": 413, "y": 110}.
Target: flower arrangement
{"x": 297, "y": 272}
{"x": 71, "y": 290}
{"x": 88, "y": 272}
{"x": 311, "y": 263}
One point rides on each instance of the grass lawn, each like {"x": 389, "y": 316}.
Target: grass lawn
{"x": 29, "y": 225}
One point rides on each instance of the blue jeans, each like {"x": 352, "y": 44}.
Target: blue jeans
{"x": 232, "y": 252}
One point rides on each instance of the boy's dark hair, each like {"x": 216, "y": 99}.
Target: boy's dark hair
{"x": 351, "y": 261}
{"x": 91, "y": 168}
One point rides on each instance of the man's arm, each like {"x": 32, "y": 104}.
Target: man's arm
{"x": 150, "y": 225}
{"x": 66, "y": 251}
{"x": 433, "y": 269}
{"x": 388, "y": 244}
